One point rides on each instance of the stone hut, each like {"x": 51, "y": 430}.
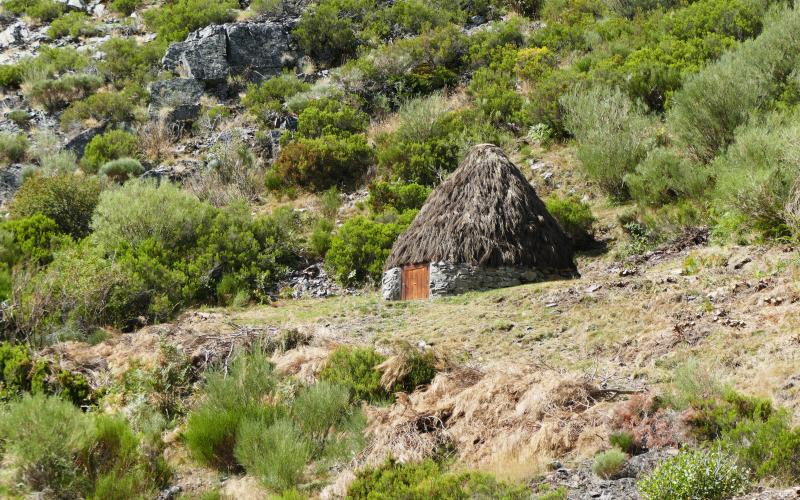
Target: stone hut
{"x": 483, "y": 227}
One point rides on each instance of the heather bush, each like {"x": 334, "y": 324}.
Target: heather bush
{"x": 270, "y": 95}
{"x": 112, "y": 108}
{"x": 66, "y": 199}
{"x": 122, "y": 169}
{"x": 361, "y": 246}
{"x": 612, "y": 133}
{"x": 111, "y": 145}
{"x": 665, "y": 176}
{"x": 398, "y": 196}
{"x": 327, "y": 31}
{"x": 128, "y": 61}
{"x": 125, "y": 7}
{"x": 429, "y": 479}
{"x": 52, "y": 94}
{"x": 73, "y": 24}
{"x": 172, "y": 22}
{"x": 43, "y": 11}
{"x": 330, "y": 117}
{"x": 326, "y": 161}
{"x": 609, "y": 464}
{"x": 12, "y": 147}
{"x": 769, "y": 447}
{"x": 575, "y": 218}
{"x": 19, "y": 117}
{"x": 354, "y": 369}
{"x": 29, "y": 240}
{"x": 276, "y": 454}
{"x": 709, "y": 474}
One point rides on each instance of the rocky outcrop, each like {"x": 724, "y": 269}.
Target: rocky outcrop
{"x": 214, "y": 52}
{"x": 178, "y": 97}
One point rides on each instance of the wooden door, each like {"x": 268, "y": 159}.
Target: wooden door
{"x": 415, "y": 282}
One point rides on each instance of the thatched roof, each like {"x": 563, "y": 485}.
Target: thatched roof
{"x": 484, "y": 213}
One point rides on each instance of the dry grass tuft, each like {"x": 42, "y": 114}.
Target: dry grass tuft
{"x": 397, "y": 367}
{"x": 509, "y": 415}
{"x": 156, "y": 139}
{"x": 305, "y": 362}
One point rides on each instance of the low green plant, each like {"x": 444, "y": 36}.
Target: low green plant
{"x": 428, "y": 479}
{"x": 707, "y": 474}
{"x": 361, "y": 245}
{"x": 73, "y": 24}
{"x": 11, "y": 75}
{"x": 13, "y": 147}
{"x": 20, "y": 117}
{"x": 65, "y": 198}
{"x": 276, "y": 454}
{"x": 110, "y": 107}
{"x": 174, "y": 21}
{"x": 111, "y": 145}
{"x": 53, "y": 94}
{"x": 665, "y": 176}
{"x": 319, "y": 241}
{"x": 609, "y": 464}
{"x": 322, "y": 162}
{"x": 122, "y": 169}
{"x": 769, "y": 447}
{"x": 354, "y": 368}
{"x": 125, "y": 7}
{"x": 624, "y": 441}
{"x": 270, "y": 95}
{"x": 575, "y": 218}
{"x": 43, "y": 11}
{"x": 384, "y": 195}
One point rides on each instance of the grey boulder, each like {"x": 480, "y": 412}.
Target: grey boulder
{"x": 214, "y": 52}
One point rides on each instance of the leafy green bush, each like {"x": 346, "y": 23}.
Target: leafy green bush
{"x": 29, "y": 240}
{"x": 709, "y": 474}
{"x": 111, "y": 145}
{"x": 612, "y": 133}
{"x": 327, "y": 31}
{"x": 429, "y": 479}
{"x": 361, "y": 246}
{"x": 128, "y": 61}
{"x": 270, "y": 94}
{"x": 665, "y": 176}
{"x": 122, "y": 169}
{"x": 326, "y": 161}
{"x": 113, "y": 108}
{"x": 20, "y": 117}
{"x": 756, "y": 174}
{"x": 11, "y": 75}
{"x": 399, "y": 196}
{"x": 326, "y": 117}
{"x": 575, "y": 218}
{"x": 42, "y": 10}
{"x": 174, "y": 21}
{"x": 13, "y": 147}
{"x": 125, "y": 7}
{"x": 73, "y": 24}
{"x": 54, "y": 446}
{"x": 609, "y": 464}
{"x": 66, "y": 199}
{"x": 769, "y": 448}
{"x": 277, "y": 454}
{"x": 354, "y": 368}
{"x": 53, "y": 94}
{"x": 624, "y": 441}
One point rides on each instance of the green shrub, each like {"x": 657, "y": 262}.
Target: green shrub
{"x": 665, "y": 176}
{"x": 429, "y": 479}
{"x": 111, "y": 145}
{"x": 30, "y": 240}
{"x": 575, "y": 218}
{"x": 612, "y": 133}
{"x": 319, "y": 409}
{"x": 319, "y": 241}
{"x": 20, "y": 117}
{"x": 327, "y": 32}
{"x": 128, "y": 61}
{"x": 713, "y": 416}
{"x": 125, "y": 7}
{"x": 13, "y": 147}
{"x": 174, "y": 21}
{"x": 609, "y": 464}
{"x": 323, "y": 162}
{"x": 769, "y": 448}
{"x": 270, "y": 94}
{"x": 624, "y": 441}
{"x": 757, "y": 173}
{"x": 122, "y": 169}
{"x": 277, "y": 454}
{"x": 399, "y": 196}
{"x": 66, "y": 199}
{"x": 45, "y": 435}
{"x": 11, "y": 75}
{"x": 331, "y": 117}
{"x": 708, "y": 474}
{"x": 267, "y": 7}
{"x": 361, "y": 246}
{"x": 54, "y": 94}
{"x": 73, "y": 24}
{"x": 354, "y": 368}
{"x": 112, "y": 108}
{"x": 42, "y": 10}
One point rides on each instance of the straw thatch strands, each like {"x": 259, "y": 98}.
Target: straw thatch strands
{"x": 483, "y": 227}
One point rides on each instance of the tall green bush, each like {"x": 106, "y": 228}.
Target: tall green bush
{"x": 65, "y": 198}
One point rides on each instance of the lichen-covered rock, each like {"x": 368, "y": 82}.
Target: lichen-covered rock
{"x": 214, "y": 52}
{"x": 180, "y": 97}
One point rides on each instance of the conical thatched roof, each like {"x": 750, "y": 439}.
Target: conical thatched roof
{"x": 484, "y": 213}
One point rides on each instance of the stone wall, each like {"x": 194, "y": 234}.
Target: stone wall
{"x": 392, "y": 284}
{"x": 452, "y": 279}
